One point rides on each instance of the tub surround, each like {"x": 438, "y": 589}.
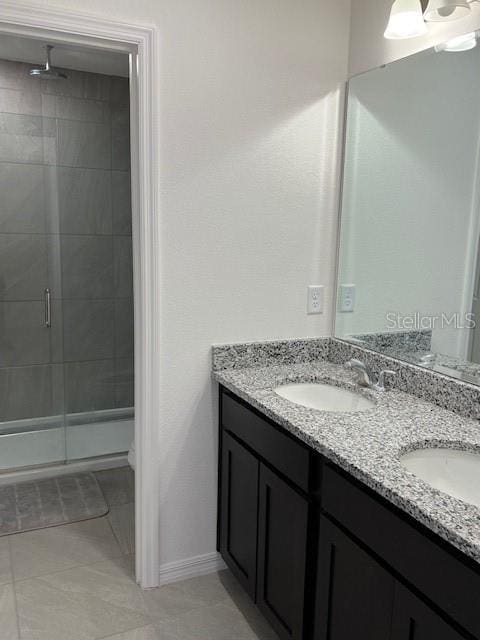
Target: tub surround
{"x": 367, "y": 444}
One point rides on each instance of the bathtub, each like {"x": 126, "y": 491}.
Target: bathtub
{"x": 55, "y": 440}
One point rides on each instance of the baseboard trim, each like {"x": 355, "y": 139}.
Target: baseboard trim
{"x": 191, "y": 568}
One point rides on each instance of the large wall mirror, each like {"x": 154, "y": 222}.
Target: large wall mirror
{"x": 409, "y": 267}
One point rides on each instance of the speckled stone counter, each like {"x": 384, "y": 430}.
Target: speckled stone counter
{"x": 368, "y": 444}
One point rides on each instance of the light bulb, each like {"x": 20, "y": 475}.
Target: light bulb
{"x": 406, "y": 20}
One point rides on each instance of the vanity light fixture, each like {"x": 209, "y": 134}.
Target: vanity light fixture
{"x": 446, "y": 10}
{"x": 408, "y": 19}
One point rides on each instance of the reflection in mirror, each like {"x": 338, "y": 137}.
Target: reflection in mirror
{"x": 409, "y": 271}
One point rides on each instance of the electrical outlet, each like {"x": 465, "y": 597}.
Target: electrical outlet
{"x": 315, "y": 299}
{"x": 347, "y": 298}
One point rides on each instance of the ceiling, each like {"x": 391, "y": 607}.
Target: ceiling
{"x": 82, "y": 59}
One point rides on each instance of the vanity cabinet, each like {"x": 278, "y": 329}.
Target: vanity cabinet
{"x": 414, "y": 620}
{"x": 282, "y": 550}
{"x": 239, "y": 500}
{"x": 323, "y": 556}
{"x": 265, "y": 515}
{"x": 354, "y": 592}
{"x": 358, "y": 598}
{"x": 414, "y": 555}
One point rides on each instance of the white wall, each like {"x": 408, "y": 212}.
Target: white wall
{"x": 409, "y": 195}
{"x": 368, "y": 47}
{"x": 248, "y": 135}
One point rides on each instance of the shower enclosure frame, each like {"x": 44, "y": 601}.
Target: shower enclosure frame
{"x": 139, "y": 42}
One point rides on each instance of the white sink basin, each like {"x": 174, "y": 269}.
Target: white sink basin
{"x": 449, "y": 470}
{"x": 324, "y": 397}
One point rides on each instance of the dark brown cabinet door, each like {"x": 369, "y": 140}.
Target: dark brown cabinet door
{"x": 414, "y": 620}
{"x": 354, "y": 593}
{"x": 239, "y": 501}
{"x": 282, "y": 548}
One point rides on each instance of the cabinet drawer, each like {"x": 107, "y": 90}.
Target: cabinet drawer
{"x": 288, "y": 456}
{"x": 439, "y": 574}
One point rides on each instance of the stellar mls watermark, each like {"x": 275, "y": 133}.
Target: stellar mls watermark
{"x": 418, "y": 321}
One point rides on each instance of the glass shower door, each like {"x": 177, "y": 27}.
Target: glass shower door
{"x": 31, "y": 371}
{"x": 94, "y": 229}
{"x": 66, "y": 299}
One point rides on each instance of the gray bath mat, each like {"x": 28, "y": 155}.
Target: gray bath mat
{"x": 45, "y": 503}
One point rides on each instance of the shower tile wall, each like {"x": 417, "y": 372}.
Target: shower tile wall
{"x": 65, "y": 223}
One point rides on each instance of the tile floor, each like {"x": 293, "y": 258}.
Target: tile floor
{"x": 76, "y": 582}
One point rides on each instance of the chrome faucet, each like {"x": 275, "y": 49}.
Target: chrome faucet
{"x": 362, "y": 373}
{"x": 364, "y": 376}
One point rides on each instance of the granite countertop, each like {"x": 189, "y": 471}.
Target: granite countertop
{"x": 368, "y": 444}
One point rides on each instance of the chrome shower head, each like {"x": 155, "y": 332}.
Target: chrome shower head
{"x": 47, "y": 72}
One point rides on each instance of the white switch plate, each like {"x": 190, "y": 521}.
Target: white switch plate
{"x": 347, "y": 298}
{"x": 315, "y": 299}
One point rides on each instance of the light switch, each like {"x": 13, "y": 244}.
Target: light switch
{"x": 315, "y": 299}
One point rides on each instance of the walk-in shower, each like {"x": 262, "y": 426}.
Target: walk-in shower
{"x": 66, "y": 291}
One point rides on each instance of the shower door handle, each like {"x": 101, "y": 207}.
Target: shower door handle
{"x": 48, "y": 310}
